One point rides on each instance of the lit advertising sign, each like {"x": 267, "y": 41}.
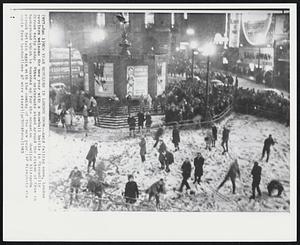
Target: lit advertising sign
{"x": 256, "y": 26}
{"x": 251, "y": 55}
{"x": 234, "y": 30}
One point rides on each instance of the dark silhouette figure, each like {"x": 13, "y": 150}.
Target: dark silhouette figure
{"x": 232, "y": 173}
{"x": 186, "y": 174}
{"x": 256, "y": 175}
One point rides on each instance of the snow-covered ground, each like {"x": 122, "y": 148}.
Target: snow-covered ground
{"x": 120, "y": 156}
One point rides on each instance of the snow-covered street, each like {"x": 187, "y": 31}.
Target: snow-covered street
{"x": 120, "y": 156}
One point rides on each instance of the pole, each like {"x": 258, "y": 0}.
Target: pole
{"x": 206, "y": 100}
{"x": 258, "y": 64}
{"x": 70, "y": 65}
{"x": 274, "y": 62}
{"x": 193, "y": 57}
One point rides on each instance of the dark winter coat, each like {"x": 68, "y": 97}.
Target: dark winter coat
{"x": 131, "y": 122}
{"x": 92, "y": 154}
{"x": 214, "y": 132}
{"x": 176, "y": 137}
{"x": 75, "y": 177}
{"x": 95, "y": 186}
{"x": 156, "y": 188}
{"x": 186, "y": 169}
{"x": 225, "y": 134}
{"x": 268, "y": 142}
{"x": 141, "y": 118}
{"x": 275, "y": 185}
{"x": 131, "y": 190}
{"x": 169, "y": 157}
{"x": 234, "y": 170}
{"x": 158, "y": 133}
{"x": 148, "y": 120}
{"x": 162, "y": 147}
{"x": 256, "y": 174}
{"x": 198, "y": 163}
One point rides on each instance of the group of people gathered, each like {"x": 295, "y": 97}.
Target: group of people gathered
{"x": 186, "y": 100}
{"x": 263, "y": 103}
{"x": 166, "y": 158}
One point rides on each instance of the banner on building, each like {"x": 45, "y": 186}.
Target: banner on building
{"x": 256, "y": 26}
{"x": 252, "y": 54}
{"x": 137, "y": 80}
{"x": 234, "y": 30}
{"x": 104, "y": 79}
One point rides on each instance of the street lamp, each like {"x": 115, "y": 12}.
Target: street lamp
{"x": 70, "y": 65}
{"x": 190, "y": 31}
{"x": 193, "y": 46}
{"x": 260, "y": 40}
{"x": 207, "y": 50}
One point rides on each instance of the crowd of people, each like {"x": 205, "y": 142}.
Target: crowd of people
{"x": 165, "y": 158}
{"x": 186, "y": 99}
{"x": 262, "y": 103}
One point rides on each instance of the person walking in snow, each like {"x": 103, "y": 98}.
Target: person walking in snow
{"x": 198, "y": 164}
{"x": 208, "y": 140}
{"x": 155, "y": 190}
{"x": 131, "y": 123}
{"x": 175, "y": 137}
{"x": 148, "y": 121}
{"x": 142, "y": 145}
{"x": 267, "y": 147}
{"x": 214, "y": 135}
{"x": 158, "y": 134}
{"x": 75, "y": 177}
{"x": 131, "y": 190}
{"x": 186, "y": 169}
{"x": 225, "y": 138}
{"x": 232, "y": 173}
{"x": 141, "y": 119}
{"x": 91, "y": 156}
{"x": 256, "y": 175}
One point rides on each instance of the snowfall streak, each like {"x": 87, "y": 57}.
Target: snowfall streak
{"x": 32, "y": 103}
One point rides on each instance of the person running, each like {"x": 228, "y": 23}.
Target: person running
{"x": 91, "y": 156}
{"x": 142, "y": 145}
{"x": 198, "y": 164}
{"x": 155, "y": 190}
{"x": 267, "y": 147}
{"x": 214, "y": 135}
{"x": 131, "y": 190}
{"x": 256, "y": 175}
{"x": 176, "y": 137}
{"x": 275, "y": 185}
{"x": 75, "y": 177}
{"x": 186, "y": 174}
{"x": 225, "y": 137}
{"x": 232, "y": 173}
